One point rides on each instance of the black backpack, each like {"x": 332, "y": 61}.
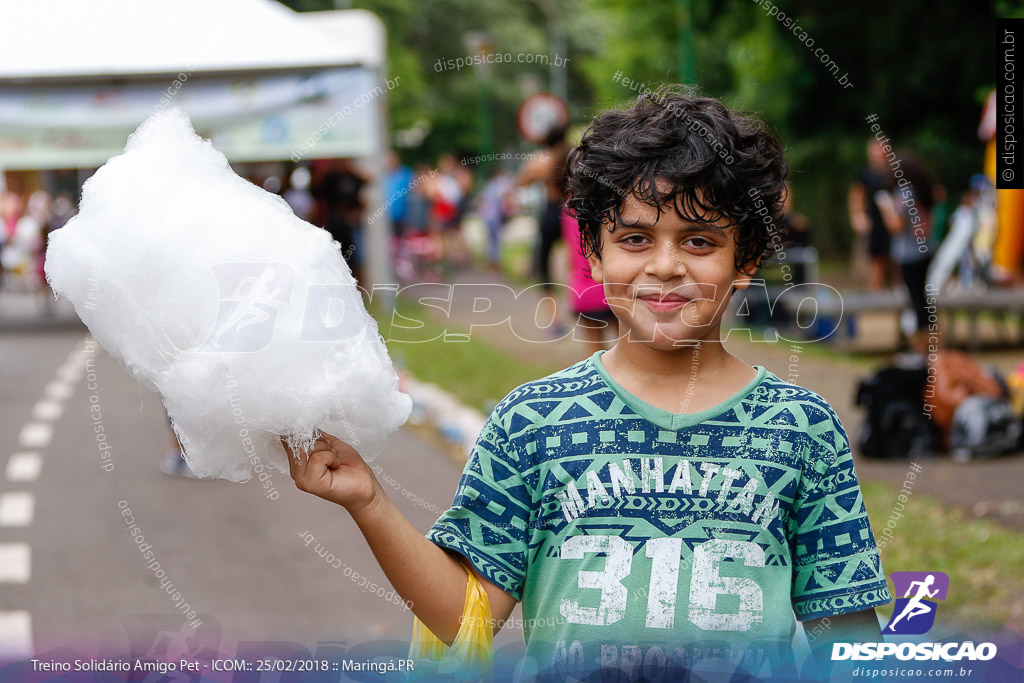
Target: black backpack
{"x": 896, "y": 425}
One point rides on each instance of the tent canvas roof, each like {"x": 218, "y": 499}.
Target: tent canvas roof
{"x": 69, "y": 39}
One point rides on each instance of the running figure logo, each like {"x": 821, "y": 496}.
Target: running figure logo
{"x": 248, "y": 313}
{"x": 914, "y": 613}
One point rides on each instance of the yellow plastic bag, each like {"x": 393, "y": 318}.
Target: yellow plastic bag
{"x": 471, "y": 655}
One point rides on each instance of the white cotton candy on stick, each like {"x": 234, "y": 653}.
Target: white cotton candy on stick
{"x": 210, "y": 291}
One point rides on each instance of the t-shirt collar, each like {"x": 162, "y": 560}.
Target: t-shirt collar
{"x": 663, "y": 418}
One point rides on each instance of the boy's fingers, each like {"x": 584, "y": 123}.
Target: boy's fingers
{"x": 324, "y": 456}
{"x": 289, "y": 456}
{"x": 338, "y": 445}
{"x": 320, "y": 460}
{"x": 296, "y": 463}
{"x": 321, "y": 456}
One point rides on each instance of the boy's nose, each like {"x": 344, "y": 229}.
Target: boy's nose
{"x": 665, "y": 262}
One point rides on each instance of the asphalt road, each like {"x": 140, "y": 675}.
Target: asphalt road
{"x": 72, "y": 575}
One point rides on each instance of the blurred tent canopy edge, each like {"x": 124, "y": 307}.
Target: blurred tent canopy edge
{"x": 263, "y": 82}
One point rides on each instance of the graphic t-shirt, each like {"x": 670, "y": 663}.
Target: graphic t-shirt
{"x": 645, "y": 540}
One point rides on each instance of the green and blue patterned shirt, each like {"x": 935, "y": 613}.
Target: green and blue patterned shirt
{"x": 637, "y": 538}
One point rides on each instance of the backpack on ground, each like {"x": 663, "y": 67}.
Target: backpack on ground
{"x": 983, "y": 426}
{"x": 896, "y": 425}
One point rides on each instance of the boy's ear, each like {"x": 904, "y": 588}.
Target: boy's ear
{"x": 744, "y": 276}
{"x": 596, "y": 272}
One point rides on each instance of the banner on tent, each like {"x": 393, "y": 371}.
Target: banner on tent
{"x": 249, "y": 118}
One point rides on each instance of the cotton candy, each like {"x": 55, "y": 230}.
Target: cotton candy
{"x": 210, "y": 291}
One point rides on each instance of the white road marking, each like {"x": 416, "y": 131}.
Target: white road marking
{"x": 59, "y": 390}
{"x": 15, "y": 635}
{"x": 47, "y": 410}
{"x": 35, "y": 435}
{"x": 24, "y": 467}
{"x": 71, "y": 372}
{"x": 15, "y": 562}
{"x": 16, "y": 508}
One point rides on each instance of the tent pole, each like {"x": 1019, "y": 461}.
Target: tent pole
{"x": 378, "y": 257}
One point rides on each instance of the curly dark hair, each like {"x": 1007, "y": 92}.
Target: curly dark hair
{"x": 715, "y": 162}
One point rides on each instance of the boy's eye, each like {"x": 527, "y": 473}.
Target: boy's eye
{"x": 699, "y": 242}
{"x": 635, "y": 240}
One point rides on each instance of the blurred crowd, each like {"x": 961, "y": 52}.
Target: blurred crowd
{"x": 25, "y": 226}
{"x": 912, "y": 235}
{"x": 427, "y": 207}
{"x": 421, "y": 202}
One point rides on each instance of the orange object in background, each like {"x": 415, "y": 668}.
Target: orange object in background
{"x": 1008, "y": 250}
{"x": 957, "y": 376}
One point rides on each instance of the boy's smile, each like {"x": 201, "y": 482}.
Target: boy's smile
{"x": 667, "y": 279}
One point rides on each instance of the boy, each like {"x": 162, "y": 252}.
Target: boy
{"x": 663, "y": 503}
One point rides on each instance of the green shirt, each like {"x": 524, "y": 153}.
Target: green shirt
{"x": 639, "y": 538}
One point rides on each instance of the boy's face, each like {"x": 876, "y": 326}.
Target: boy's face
{"x": 666, "y": 279}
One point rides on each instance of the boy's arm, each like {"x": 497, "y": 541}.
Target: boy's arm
{"x": 422, "y": 573}
{"x": 852, "y": 627}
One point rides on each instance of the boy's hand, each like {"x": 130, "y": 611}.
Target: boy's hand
{"x": 430, "y": 579}
{"x": 334, "y": 471}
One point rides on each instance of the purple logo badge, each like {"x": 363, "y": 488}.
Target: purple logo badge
{"x": 915, "y": 610}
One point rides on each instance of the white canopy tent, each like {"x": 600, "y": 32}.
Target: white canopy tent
{"x": 68, "y": 38}
{"x": 264, "y": 83}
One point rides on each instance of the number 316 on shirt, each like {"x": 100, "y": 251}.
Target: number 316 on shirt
{"x": 706, "y": 584}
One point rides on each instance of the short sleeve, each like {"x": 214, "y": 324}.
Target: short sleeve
{"x": 836, "y": 565}
{"x": 489, "y": 520}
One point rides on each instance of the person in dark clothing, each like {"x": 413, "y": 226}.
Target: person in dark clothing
{"x": 340, "y": 192}
{"x": 907, "y": 211}
{"x": 548, "y": 168}
{"x": 866, "y": 218}
{"x": 794, "y": 227}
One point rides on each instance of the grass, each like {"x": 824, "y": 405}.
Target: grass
{"x": 474, "y": 372}
{"x": 984, "y": 561}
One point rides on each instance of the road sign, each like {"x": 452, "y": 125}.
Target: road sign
{"x": 539, "y": 114}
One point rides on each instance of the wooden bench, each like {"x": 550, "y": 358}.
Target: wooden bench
{"x": 1001, "y": 302}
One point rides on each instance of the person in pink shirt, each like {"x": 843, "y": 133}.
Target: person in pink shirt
{"x": 10, "y": 212}
{"x": 586, "y": 297}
